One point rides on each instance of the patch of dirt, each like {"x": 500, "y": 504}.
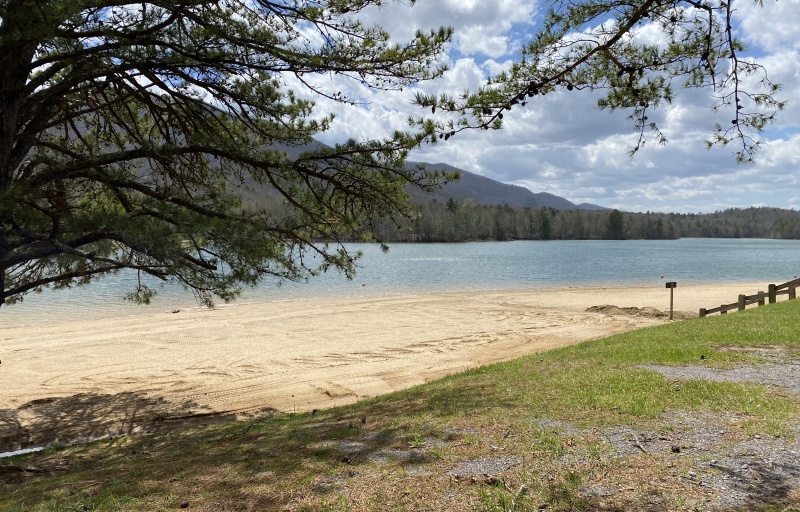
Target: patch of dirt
{"x": 645, "y": 312}
{"x": 733, "y": 470}
{"x": 372, "y": 448}
{"x": 756, "y": 470}
{"x": 481, "y": 468}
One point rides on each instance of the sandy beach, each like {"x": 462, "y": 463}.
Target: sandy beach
{"x": 117, "y": 375}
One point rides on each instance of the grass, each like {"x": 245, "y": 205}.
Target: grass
{"x": 403, "y": 457}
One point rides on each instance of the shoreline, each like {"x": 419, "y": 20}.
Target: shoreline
{"x": 44, "y": 314}
{"x": 124, "y": 375}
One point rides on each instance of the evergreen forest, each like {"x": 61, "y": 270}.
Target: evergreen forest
{"x": 461, "y": 221}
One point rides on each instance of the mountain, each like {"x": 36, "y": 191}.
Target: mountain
{"x": 484, "y": 190}
{"x": 480, "y": 189}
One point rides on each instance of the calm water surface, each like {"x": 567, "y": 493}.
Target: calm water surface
{"x": 425, "y": 268}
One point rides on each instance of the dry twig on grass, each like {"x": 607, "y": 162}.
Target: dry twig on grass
{"x": 638, "y": 444}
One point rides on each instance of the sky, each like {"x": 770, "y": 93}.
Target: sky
{"x": 562, "y": 144}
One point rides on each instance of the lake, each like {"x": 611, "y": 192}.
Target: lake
{"x": 426, "y": 268}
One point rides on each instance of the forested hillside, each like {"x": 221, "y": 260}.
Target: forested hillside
{"x": 475, "y": 208}
{"x": 457, "y": 221}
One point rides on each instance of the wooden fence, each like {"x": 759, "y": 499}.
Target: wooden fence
{"x": 759, "y": 298}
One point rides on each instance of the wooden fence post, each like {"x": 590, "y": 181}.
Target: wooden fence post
{"x": 742, "y": 302}
{"x": 772, "y": 294}
{"x": 792, "y": 293}
{"x": 761, "y": 298}
{"x": 703, "y": 312}
{"x": 724, "y": 311}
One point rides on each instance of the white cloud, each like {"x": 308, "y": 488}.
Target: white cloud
{"x": 482, "y": 27}
{"x": 562, "y": 144}
{"x": 493, "y": 68}
{"x": 772, "y": 27}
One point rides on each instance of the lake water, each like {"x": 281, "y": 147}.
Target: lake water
{"x": 424, "y": 268}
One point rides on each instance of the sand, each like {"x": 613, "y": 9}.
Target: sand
{"x": 122, "y": 374}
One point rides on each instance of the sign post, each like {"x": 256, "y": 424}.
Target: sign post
{"x": 671, "y": 285}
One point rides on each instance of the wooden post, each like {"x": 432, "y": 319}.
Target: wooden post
{"x": 671, "y": 285}
{"x": 724, "y": 311}
{"x": 772, "y": 294}
{"x": 792, "y": 293}
{"x": 742, "y": 302}
{"x": 671, "y": 292}
{"x": 703, "y": 312}
{"x": 761, "y": 299}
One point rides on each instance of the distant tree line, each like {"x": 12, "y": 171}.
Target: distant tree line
{"x": 461, "y": 221}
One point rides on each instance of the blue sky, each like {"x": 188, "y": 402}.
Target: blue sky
{"x": 564, "y": 145}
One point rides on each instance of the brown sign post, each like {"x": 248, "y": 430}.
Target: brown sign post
{"x": 671, "y": 285}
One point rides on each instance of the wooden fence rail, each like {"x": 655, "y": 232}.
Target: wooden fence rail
{"x": 760, "y": 298}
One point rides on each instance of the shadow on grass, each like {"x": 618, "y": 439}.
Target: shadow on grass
{"x": 260, "y": 464}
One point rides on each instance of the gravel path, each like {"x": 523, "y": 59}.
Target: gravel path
{"x": 785, "y": 375}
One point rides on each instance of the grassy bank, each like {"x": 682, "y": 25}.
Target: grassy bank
{"x": 587, "y": 427}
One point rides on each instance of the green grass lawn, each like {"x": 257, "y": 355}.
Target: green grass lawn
{"x": 543, "y": 426}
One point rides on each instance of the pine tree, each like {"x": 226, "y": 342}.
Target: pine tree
{"x": 142, "y": 135}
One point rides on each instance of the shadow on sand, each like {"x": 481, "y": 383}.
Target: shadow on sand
{"x": 88, "y": 416}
